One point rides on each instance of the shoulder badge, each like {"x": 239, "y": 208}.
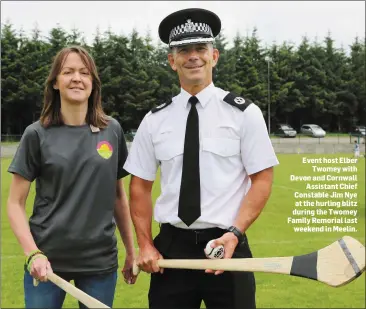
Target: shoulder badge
{"x": 237, "y": 101}
{"x": 160, "y": 107}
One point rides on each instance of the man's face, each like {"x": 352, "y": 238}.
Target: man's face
{"x": 194, "y": 63}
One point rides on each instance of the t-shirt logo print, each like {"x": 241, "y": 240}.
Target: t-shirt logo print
{"x": 105, "y": 149}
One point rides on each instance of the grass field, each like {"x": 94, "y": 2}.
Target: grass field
{"x": 269, "y": 236}
{"x": 9, "y": 143}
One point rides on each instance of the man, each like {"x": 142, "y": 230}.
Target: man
{"x": 216, "y": 162}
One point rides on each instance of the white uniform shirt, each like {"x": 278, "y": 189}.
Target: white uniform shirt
{"x": 233, "y": 145}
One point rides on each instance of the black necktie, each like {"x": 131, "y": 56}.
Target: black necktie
{"x": 190, "y": 193}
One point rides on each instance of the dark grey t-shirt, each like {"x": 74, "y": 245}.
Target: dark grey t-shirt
{"x": 76, "y": 172}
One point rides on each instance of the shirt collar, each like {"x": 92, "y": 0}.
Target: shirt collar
{"x": 203, "y": 96}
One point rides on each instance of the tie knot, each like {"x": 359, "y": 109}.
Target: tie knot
{"x": 193, "y": 100}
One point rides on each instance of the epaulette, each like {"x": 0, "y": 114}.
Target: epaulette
{"x": 237, "y": 101}
{"x": 160, "y": 107}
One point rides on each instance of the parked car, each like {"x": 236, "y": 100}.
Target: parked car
{"x": 312, "y": 130}
{"x": 285, "y": 130}
{"x": 358, "y": 131}
{"x": 130, "y": 135}
{"x": 133, "y": 132}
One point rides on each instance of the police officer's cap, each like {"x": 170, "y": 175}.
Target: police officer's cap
{"x": 189, "y": 26}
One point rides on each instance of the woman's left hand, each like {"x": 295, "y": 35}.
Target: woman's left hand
{"x": 127, "y": 270}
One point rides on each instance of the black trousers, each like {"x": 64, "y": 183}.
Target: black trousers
{"x": 185, "y": 289}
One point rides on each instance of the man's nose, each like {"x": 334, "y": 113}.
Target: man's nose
{"x": 193, "y": 54}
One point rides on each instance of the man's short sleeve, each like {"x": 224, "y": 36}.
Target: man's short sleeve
{"x": 122, "y": 153}
{"x": 141, "y": 160}
{"x": 256, "y": 147}
{"x": 27, "y": 159}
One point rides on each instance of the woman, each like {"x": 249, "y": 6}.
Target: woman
{"x": 76, "y": 155}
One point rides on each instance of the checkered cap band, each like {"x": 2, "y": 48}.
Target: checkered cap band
{"x": 190, "y": 28}
{"x": 190, "y": 41}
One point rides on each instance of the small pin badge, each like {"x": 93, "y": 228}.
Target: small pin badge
{"x": 94, "y": 129}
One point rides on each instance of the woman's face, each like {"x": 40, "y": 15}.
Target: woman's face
{"x": 74, "y": 81}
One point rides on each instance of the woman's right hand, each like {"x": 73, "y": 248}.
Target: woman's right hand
{"x": 147, "y": 259}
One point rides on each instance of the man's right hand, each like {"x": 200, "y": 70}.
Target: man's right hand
{"x": 40, "y": 267}
{"x": 147, "y": 259}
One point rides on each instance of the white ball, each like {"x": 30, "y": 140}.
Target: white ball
{"x": 214, "y": 253}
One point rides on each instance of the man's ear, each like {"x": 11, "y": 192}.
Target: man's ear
{"x": 172, "y": 62}
{"x": 215, "y": 58}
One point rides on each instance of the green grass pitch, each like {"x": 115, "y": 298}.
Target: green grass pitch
{"x": 269, "y": 236}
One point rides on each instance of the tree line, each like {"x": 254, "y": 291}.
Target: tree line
{"x": 314, "y": 82}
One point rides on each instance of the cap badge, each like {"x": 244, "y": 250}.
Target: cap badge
{"x": 189, "y": 26}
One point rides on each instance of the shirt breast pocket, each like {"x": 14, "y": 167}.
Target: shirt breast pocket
{"x": 168, "y": 150}
{"x": 221, "y": 163}
{"x": 169, "y": 153}
{"x": 168, "y": 145}
{"x": 223, "y": 147}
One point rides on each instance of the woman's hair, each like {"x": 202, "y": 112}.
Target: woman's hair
{"x": 51, "y": 111}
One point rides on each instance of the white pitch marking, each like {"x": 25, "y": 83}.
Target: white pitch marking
{"x": 286, "y": 188}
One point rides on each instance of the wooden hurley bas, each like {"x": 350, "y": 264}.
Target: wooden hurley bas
{"x": 81, "y": 296}
{"x": 335, "y": 265}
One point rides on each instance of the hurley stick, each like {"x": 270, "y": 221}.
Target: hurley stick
{"x": 81, "y": 296}
{"x": 335, "y": 265}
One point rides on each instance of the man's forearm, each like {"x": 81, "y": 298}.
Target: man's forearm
{"x": 254, "y": 201}
{"x": 141, "y": 213}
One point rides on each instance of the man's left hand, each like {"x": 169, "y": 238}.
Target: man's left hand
{"x": 229, "y": 241}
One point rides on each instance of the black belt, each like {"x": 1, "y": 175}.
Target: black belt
{"x": 193, "y": 236}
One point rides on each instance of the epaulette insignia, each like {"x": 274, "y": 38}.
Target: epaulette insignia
{"x": 160, "y": 107}
{"x": 237, "y": 101}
